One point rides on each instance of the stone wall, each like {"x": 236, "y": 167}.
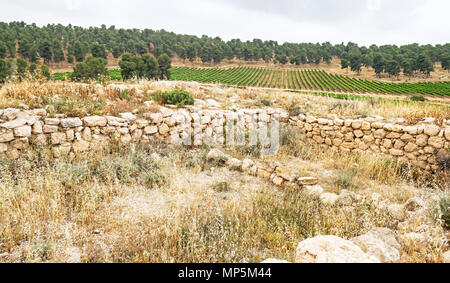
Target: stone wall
{"x": 70, "y": 135}
{"x": 422, "y": 145}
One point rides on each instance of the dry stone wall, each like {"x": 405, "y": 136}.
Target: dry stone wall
{"x": 424, "y": 145}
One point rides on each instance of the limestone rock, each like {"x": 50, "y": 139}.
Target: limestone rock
{"x": 116, "y": 121}
{"x": 50, "y": 129}
{"x": 307, "y": 181}
{"x": 52, "y": 121}
{"x": 163, "y": 129}
{"x": 314, "y": 191}
{"x": 397, "y": 212}
{"x": 61, "y": 150}
{"x": 380, "y": 243}
{"x": 216, "y": 154}
{"x": 23, "y": 131}
{"x": 346, "y": 197}
{"x": 234, "y": 163}
{"x": 331, "y": 249}
{"x": 95, "y": 121}
{"x": 431, "y": 130}
{"x": 14, "y": 123}
{"x": 414, "y": 204}
{"x": 130, "y": 117}
{"x": 247, "y": 164}
{"x": 58, "y": 138}
{"x": 71, "y": 123}
{"x": 328, "y": 198}
{"x": 150, "y": 130}
{"x": 212, "y": 103}
{"x": 6, "y": 136}
{"x": 80, "y": 146}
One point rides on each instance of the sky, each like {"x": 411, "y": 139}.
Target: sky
{"x": 362, "y": 21}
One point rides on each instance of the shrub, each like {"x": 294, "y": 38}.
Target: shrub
{"x": 91, "y": 69}
{"x": 418, "y": 98}
{"x": 221, "y": 187}
{"x": 177, "y": 97}
{"x": 140, "y": 67}
{"x": 266, "y": 102}
{"x": 45, "y": 72}
{"x": 295, "y": 109}
{"x": 344, "y": 179}
{"x": 21, "y": 67}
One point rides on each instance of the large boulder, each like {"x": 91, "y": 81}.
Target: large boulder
{"x": 380, "y": 243}
{"x": 331, "y": 249}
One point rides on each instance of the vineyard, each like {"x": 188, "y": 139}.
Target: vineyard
{"x": 309, "y": 79}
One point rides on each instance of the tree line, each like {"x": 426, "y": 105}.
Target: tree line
{"x": 131, "y": 66}
{"x": 57, "y": 43}
{"x": 21, "y": 69}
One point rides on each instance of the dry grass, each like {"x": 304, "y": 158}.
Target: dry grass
{"x": 389, "y": 108}
{"x": 88, "y": 99}
{"x": 355, "y": 169}
{"x": 167, "y": 204}
{"x": 133, "y": 206}
{"x": 73, "y": 99}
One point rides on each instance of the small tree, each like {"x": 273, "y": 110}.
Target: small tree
{"x": 32, "y": 68}
{"x": 378, "y": 64}
{"x": 99, "y": 51}
{"x": 91, "y": 69}
{"x": 3, "y": 50}
{"x": 4, "y": 71}
{"x": 164, "y": 63}
{"x": 393, "y": 68}
{"x": 45, "y": 72}
{"x": 140, "y": 67}
{"x": 150, "y": 67}
{"x": 21, "y": 67}
{"x": 45, "y": 51}
{"x": 128, "y": 66}
{"x": 445, "y": 61}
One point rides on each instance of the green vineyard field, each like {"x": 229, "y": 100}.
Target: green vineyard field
{"x": 305, "y": 79}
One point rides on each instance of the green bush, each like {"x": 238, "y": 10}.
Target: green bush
{"x": 418, "y": 98}
{"x": 266, "y": 102}
{"x": 177, "y": 97}
{"x": 93, "y": 68}
{"x": 45, "y": 72}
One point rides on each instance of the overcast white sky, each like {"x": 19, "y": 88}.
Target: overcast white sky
{"x": 362, "y": 21}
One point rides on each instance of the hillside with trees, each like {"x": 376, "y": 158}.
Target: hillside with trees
{"x": 73, "y": 44}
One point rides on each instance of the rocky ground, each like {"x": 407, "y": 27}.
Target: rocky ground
{"x": 412, "y": 229}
